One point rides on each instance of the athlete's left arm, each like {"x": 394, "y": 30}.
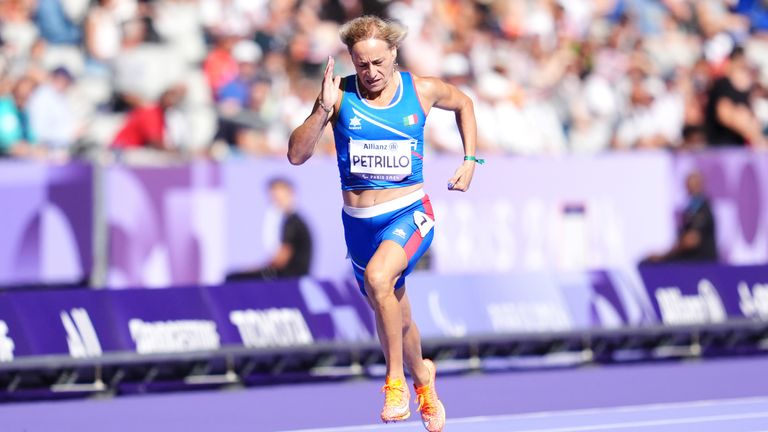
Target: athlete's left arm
{"x": 438, "y": 93}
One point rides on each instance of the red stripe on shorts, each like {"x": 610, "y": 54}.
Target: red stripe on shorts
{"x": 413, "y": 244}
{"x": 428, "y": 207}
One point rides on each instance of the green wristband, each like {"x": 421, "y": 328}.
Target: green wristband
{"x": 472, "y": 158}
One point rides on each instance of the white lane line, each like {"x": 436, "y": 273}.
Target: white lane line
{"x": 626, "y": 409}
{"x": 651, "y": 423}
{"x": 589, "y": 411}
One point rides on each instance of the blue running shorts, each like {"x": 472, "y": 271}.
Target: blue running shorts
{"x": 408, "y": 221}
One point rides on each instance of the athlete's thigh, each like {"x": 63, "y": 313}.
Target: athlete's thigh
{"x": 388, "y": 262}
{"x": 413, "y": 229}
{"x": 360, "y": 238}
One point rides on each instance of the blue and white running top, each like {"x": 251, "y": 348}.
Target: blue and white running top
{"x": 380, "y": 147}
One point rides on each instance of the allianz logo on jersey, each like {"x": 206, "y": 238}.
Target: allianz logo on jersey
{"x": 6, "y": 343}
{"x": 355, "y": 123}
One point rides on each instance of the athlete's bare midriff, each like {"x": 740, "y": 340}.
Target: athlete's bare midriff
{"x": 371, "y": 197}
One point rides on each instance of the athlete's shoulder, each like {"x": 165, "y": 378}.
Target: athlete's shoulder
{"x": 428, "y": 87}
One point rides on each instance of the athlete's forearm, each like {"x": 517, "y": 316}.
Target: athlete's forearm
{"x": 465, "y": 120}
{"x": 302, "y": 142}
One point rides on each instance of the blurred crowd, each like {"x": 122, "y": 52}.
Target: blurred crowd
{"x": 170, "y": 79}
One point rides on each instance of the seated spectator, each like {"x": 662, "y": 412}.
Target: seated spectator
{"x": 556, "y": 73}
{"x": 696, "y": 237}
{"x": 149, "y": 126}
{"x": 16, "y": 136}
{"x": 248, "y": 130}
{"x": 756, "y": 11}
{"x": 646, "y": 125}
{"x": 730, "y": 119}
{"x": 143, "y": 70}
{"x": 51, "y": 114}
{"x": 691, "y": 84}
{"x": 293, "y": 256}
{"x": 715, "y": 16}
{"x": 56, "y": 26}
{"x": 220, "y": 66}
{"x": 17, "y": 30}
{"x": 247, "y": 54}
{"x": 33, "y": 63}
{"x": 102, "y": 31}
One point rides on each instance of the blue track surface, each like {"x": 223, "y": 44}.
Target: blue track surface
{"x": 732, "y": 415}
{"x": 717, "y": 395}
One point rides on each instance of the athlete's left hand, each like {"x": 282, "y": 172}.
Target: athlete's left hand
{"x": 462, "y": 178}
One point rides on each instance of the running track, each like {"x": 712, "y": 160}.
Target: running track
{"x": 716, "y": 395}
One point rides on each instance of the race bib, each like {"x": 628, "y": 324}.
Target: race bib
{"x": 381, "y": 159}
{"x": 424, "y": 222}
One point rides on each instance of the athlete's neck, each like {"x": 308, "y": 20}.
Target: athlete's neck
{"x": 384, "y": 94}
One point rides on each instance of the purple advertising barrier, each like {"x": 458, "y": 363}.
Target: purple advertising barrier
{"x": 193, "y": 225}
{"x": 463, "y": 305}
{"x": 176, "y": 319}
{"x": 707, "y": 293}
{"x": 87, "y": 323}
{"x": 575, "y": 213}
{"x": 563, "y": 214}
{"x": 250, "y": 314}
{"x": 253, "y": 223}
{"x": 47, "y": 223}
{"x": 75, "y": 322}
{"x": 292, "y": 312}
{"x": 13, "y": 338}
{"x": 166, "y": 225}
{"x": 737, "y": 183}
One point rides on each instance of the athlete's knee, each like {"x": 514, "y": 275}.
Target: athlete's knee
{"x": 378, "y": 284}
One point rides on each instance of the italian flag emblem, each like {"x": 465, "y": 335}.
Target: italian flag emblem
{"x": 410, "y": 120}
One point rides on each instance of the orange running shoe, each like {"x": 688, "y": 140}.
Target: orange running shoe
{"x": 432, "y": 410}
{"x": 396, "y": 398}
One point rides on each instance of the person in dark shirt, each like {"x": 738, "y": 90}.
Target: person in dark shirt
{"x": 696, "y": 237}
{"x": 293, "y": 257}
{"x": 730, "y": 119}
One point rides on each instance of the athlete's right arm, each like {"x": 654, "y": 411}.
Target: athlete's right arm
{"x": 303, "y": 139}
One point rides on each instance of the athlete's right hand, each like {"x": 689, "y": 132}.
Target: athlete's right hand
{"x": 330, "y": 92}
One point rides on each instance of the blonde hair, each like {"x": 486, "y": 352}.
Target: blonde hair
{"x": 372, "y": 27}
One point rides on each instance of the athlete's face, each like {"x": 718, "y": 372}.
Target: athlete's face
{"x": 374, "y": 63}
